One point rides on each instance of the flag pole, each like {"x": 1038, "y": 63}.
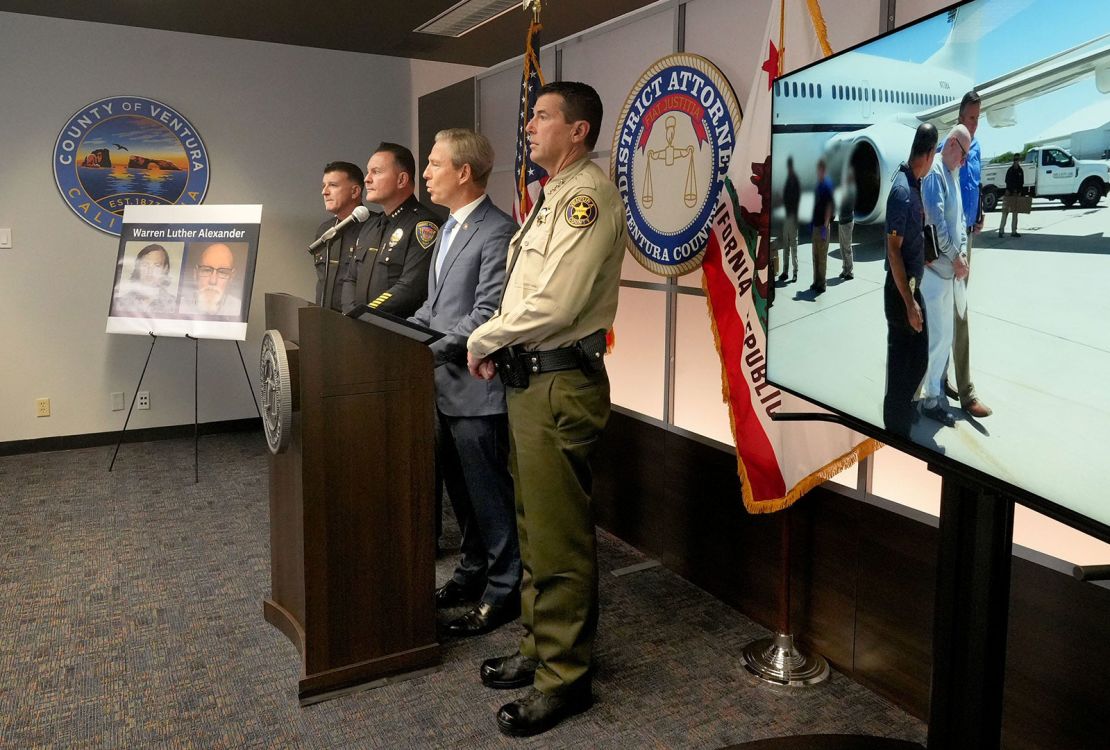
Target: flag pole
{"x": 778, "y": 659}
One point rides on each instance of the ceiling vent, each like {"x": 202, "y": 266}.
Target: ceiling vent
{"x": 465, "y": 16}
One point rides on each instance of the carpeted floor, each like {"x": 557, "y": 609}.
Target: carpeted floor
{"x": 132, "y": 618}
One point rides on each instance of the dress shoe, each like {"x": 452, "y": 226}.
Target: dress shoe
{"x": 950, "y": 392}
{"x": 1014, "y": 234}
{"x": 978, "y": 409}
{"x": 847, "y": 276}
{"x": 484, "y": 618}
{"x": 1001, "y": 234}
{"x": 508, "y": 672}
{"x": 453, "y": 593}
{"x": 782, "y": 276}
{"x": 793, "y": 278}
{"x": 940, "y": 414}
{"x": 537, "y": 712}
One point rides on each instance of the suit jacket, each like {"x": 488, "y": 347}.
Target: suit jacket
{"x": 466, "y": 296}
{"x": 388, "y": 267}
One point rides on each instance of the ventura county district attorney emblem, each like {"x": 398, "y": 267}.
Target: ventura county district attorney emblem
{"x": 671, "y": 152}
{"x": 128, "y": 151}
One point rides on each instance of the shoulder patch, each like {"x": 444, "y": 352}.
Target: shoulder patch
{"x": 426, "y": 232}
{"x": 581, "y": 211}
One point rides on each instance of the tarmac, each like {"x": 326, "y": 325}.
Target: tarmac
{"x": 1039, "y": 316}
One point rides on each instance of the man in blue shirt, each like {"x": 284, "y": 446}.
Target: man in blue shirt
{"x": 907, "y": 350}
{"x": 970, "y": 175}
{"x": 822, "y": 218}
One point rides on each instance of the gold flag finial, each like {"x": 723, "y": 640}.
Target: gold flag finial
{"x": 534, "y": 6}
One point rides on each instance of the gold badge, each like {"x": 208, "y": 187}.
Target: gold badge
{"x": 426, "y": 232}
{"x": 581, "y": 211}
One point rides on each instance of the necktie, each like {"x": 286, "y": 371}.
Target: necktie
{"x": 448, "y": 233}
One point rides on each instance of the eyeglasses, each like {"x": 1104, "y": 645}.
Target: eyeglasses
{"x": 962, "y": 149}
{"x": 207, "y": 271}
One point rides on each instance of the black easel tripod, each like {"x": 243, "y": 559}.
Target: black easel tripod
{"x": 196, "y": 426}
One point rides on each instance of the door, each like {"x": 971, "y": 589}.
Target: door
{"x": 1057, "y": 172}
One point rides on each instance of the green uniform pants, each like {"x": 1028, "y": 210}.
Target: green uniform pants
{"x": 554, "y": 425}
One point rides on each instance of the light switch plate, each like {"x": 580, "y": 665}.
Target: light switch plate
{"x": 5, "y": 238}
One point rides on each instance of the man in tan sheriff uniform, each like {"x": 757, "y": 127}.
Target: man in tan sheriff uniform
{"x": 547, "y": 343}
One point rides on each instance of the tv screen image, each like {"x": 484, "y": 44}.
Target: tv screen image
{"x": 1037, "y": 303}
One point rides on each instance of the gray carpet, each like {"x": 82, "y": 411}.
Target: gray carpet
{"x": 132, "y": 618}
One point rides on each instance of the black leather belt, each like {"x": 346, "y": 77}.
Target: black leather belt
{"x": 515, "y": 366}
{"x": 552, "y": 360}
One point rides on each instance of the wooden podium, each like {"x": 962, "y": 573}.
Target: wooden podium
{"x": 352, "y": 550}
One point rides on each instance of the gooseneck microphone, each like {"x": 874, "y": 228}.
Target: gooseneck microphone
{"x": 360, "y": 214}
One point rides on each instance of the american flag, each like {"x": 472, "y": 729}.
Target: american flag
{"x": 530, "y": 177}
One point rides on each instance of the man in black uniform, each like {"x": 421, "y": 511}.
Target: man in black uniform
{"x": 342, "y": 191}
{"x": 907, "y": 344}
{"x": 388, "y": 269}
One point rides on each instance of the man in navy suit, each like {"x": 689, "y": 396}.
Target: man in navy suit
{"x": 465, "y": 280}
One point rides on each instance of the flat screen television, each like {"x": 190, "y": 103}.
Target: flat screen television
{"x": 1037, "y": 305}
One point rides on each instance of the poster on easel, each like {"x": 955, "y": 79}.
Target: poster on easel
{"x": 185, "y": 271}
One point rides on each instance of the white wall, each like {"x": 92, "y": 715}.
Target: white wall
{"x": 253, "y": 104}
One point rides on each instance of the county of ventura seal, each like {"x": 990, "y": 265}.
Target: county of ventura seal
{"x": 671, "y": 150}
{"x": 128, "y": 151}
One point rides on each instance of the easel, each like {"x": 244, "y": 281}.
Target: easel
{"x": 196, "y": 426}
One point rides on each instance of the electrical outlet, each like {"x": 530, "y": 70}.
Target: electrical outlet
{"x": 42, "y": 407}
{"x": 144, "y": 400}
{"x": 117, "y": 401}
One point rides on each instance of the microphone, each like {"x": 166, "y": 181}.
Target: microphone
{"x": 360, "y": 214}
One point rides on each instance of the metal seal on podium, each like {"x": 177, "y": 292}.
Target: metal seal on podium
{"x": 277, "y": 396}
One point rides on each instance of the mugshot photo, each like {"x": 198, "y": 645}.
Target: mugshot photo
{"x": 148, "y": 280}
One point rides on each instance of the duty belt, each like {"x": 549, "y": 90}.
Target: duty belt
{"x": 551, "y": 360}
{"x": 516, "y": 366}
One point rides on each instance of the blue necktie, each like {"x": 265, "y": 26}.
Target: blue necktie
{"x": 448, "y": 232}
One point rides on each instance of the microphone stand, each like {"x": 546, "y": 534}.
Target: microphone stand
{"x": 326, "y": 293}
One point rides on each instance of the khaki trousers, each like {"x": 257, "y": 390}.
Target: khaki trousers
{"x": 1006, "y": 210}
{"x": 554, "y": 425}
{"x": 820, "y": 256}
{"x": 961, "y": 345}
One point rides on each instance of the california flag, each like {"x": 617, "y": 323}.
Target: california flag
{"x": 778, "y": 461}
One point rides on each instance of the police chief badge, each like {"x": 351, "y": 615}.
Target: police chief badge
{"x": 426, "y": 233}
{"x": 277, "y": 393}
{"x": 671, "y": 152}
{"x": 128, "y": 151}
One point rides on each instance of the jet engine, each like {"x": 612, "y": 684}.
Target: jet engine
{"x": 874, "y": 154}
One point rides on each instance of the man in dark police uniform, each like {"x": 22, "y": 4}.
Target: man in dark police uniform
{"x": 907, "y": 344}
{"x": 342, "y": 191}
{"x": 547, "y": 341}
{"x": 388, "y": 270}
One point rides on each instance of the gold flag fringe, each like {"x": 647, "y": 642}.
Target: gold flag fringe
{"x": 819, "y": 26}
{"x": 826, "y": 472}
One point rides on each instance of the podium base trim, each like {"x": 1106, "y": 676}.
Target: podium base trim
{"x": 330, "y": 683}
{"x": 283, "y": 620}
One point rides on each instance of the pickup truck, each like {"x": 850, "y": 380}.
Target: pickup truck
{"x": 1049, "y": 173}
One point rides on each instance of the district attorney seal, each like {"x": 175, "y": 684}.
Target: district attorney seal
{"x": 125, "y": 151}
{"x": 671, "y": 151}
{"x": 277, "y": 394}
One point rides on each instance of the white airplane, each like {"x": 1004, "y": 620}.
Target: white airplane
{"x": 861, "y": 110}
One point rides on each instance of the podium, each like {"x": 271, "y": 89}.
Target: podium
{"x": 352, "y": 548}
